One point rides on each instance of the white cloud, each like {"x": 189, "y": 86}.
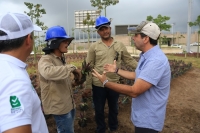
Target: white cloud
{"x": 8, "y": 6}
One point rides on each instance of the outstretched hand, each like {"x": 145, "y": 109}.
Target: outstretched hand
{"x": 110, "y": 67}
{"x": 102, "y": 77}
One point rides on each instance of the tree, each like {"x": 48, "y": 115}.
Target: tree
{"x": 196, "y": 23}
{"x": 88, "y": 22}
{"x": 73, "y": 29}
{"x": 164, "y": 40}
{"x": 35, "y": 13}
{"x": 103, "y": 4}
{"x": 161, "y": 22}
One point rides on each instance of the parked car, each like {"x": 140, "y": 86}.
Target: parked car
{"x": 176, "y": 46}
{"x": 194, "y": 44}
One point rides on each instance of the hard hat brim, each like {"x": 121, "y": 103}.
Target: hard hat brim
{"x": 97, "y": 27}
{"x": 58, "y": 42}
{"x": 103, "y": 26}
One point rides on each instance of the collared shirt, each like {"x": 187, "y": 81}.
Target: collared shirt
{"x": 19, "y": 102}
{"x": 56, "y": 90}
{"x": 149, "y": 108}
{"x": 100, "y": 54}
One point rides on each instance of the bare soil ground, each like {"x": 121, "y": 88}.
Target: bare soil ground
{"x": 183, "y": 109}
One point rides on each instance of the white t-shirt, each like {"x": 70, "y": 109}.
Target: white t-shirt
{"x": 19, "y": 102}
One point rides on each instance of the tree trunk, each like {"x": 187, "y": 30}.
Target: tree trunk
{"x": 105, "y": 11}
{"x": 34, "y": 49}
{"x": 198, "y": 46}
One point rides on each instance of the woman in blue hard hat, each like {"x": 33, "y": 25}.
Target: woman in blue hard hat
{"x": 100, "y": 53}
{"x": 54, "y": 73}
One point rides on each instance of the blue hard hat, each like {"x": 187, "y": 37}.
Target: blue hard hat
{"x": 56, "y": 32}
{"x": 101, "y": 21}
{"x": 54, "y": 37}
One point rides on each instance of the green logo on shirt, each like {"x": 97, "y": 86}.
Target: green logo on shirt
{"x": 14, "y": 102}
{"x": 17, "y": 107}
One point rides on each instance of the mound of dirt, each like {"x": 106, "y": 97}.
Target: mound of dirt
{"x": 183, "y": 109}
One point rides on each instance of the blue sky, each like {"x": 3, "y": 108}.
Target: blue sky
{"x": 125, "y": 12}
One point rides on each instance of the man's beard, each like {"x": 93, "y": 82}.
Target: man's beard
{"x": 106, "y": 38}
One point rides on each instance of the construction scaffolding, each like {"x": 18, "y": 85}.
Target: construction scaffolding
{"x": 79, "y": 34}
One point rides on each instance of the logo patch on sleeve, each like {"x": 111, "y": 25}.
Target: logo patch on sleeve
{"x": 15, "y": 104}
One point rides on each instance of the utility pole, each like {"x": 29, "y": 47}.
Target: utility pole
{"x": 173, "y": 32}
{"x": 188, "y": 26}
{"x": 67, "y": 17}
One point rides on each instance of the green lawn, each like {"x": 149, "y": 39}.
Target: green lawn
{"x": 195, "y": 61}
{"x": 77, "y": 64}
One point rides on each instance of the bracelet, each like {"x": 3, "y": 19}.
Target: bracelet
{"x": 104, "y": 82}
{"x": 116, "y": 70}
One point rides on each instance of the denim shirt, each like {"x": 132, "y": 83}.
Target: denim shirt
{"x": 149, "y": 108}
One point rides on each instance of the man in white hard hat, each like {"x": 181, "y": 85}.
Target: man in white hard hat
{"x": 20, "y": 105}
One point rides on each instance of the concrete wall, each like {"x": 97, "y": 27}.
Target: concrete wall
{"x": 125, "y": 39}
{"x": 181, "y": 37}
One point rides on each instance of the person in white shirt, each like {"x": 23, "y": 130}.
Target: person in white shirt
{"x": 20, "y": 105}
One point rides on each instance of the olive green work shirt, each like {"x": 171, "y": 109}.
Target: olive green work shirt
{"x": 56, "y": 90}
{"x": 100, "y": 54}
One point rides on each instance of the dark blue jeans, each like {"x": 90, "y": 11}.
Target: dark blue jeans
{"x": 65, "y": 122}
{"x": 100, "y": 95}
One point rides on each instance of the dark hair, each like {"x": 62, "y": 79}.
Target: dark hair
{"x": 7, "y": 45}
{"x": 54, "y": 45}
{"x": 152, "y": 41}
{"x": 48, "y": 51}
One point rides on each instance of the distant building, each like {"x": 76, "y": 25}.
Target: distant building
{"x": 80, "y": 16}
{"x": 122, "y": 29}
{"x": 176, "y": 38}
{"x": 179, "y": 37}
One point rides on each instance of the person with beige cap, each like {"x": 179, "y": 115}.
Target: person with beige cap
{"x": 20, "y": 105}
{"x": 152, "y": 80}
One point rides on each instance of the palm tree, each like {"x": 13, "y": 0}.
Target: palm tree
{"x": 196, "y": 23}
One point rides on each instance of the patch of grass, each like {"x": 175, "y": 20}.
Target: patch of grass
{"x": 195, "y": 61}
{"x": 78, "y": 64}
{"x": 31, "y": 70}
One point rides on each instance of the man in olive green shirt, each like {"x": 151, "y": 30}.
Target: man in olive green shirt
{"x": 100, "y": 53}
